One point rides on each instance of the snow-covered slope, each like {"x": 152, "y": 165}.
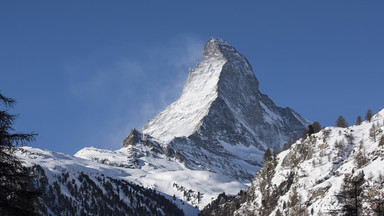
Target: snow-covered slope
{"x": 222, "y": 122}
{"x": 68, "y": 185}
{"x": 310, "y": 177}
{"x": 151, "y": 165}
{"x": 184, "y": 117}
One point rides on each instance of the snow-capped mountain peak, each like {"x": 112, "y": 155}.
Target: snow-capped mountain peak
{"x": 221, "y": 98}
{"x": 221, "y": 112}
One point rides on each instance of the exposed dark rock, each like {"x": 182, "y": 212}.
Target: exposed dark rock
{"x": 133, "y": 137}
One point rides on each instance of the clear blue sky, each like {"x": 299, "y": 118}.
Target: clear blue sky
{"x": 85, "y": 72}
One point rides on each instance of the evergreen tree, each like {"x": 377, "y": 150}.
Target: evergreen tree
{"x": 341, "y": 122}
{"x": 310, "y": 130}
{"x": 295, "y": 204}
{"x": 294, "y": 198}
{"x": 350, "y": 194}
{"x": 361, "y": 157}
{"x": 17, "y": 196}
{"x": 267, "y": 154}
{"x": 305, "y": 135}
{"x": 381, "y": 142}
{"x": 372, "y": 132}
{"x": 368, "y": 115}
{"x": 375, "y": 195}
{"x": 358, "y": 120}
{"x": 316, "y": 127}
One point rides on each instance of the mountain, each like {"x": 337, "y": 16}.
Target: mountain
{"x": 337, "y": 171}
{"x": 222, "y": 122}
{"x": 212, "y": 139}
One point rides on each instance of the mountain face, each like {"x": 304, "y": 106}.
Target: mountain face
{"x": 221, "y": 101}
{"x": 222, "y": 120}
{"x": 337, "y": 171}
{"x": 212, "y": 139}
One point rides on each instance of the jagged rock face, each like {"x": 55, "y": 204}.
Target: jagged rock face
{"x": 132, "y": 138}
{"x": 222, "y": 112}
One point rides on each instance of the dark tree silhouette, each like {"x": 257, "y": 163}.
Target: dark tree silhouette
{"x": 316, "y": 127}
{"x": 358, "y": 120}
{"x": 373, "y": 132}
{"x": 267, "y": 154}
{"x": 341, "y": 122}
{"x": 381, "y": 142}
{"x": 376, "y": 201}
{"x": 310, "y": 130}
{"x": 17, "y": 196}
{"x": 350, "y": 194}
{"x": 368, "y": 115}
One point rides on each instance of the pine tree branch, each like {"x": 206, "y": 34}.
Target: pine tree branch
{"x": 7, "y": 101}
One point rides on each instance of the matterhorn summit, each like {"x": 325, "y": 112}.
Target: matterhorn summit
{"x": 221, "y": 123}
{"x": 222, "y": 119}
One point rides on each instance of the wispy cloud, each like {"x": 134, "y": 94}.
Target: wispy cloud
{"x": 177, "y": 57}
{"x": 103, "y": 82}
{"x": 133, "y": 89}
